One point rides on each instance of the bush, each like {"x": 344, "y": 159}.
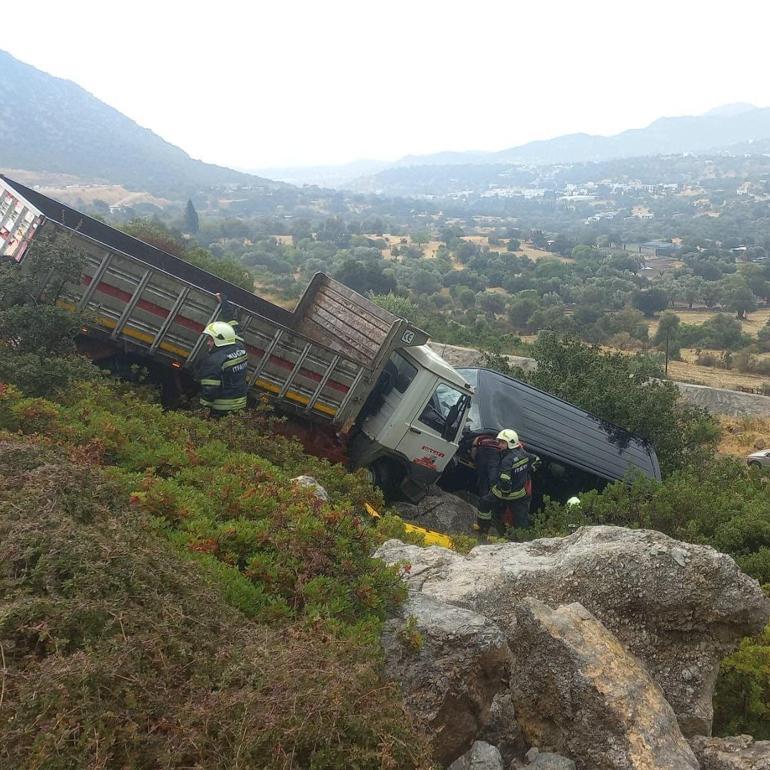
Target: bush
{"x": 742, "y": 697}
{"x": 118, "y": 652}
{"x": 209, "y": 491}
{"x": 37, "y": 339}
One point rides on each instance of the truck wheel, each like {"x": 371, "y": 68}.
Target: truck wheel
{"x": 386, "y": 475}
{"x": 754, "y": 464}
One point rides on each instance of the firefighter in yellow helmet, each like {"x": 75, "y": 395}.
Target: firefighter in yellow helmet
{"x": 511, "y": 494}
{"x": 222, "y": 373}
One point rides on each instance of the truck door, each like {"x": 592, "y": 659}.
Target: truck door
{"x": 433, "y": 432}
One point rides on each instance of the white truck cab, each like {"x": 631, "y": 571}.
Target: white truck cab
{"x": 410, "y": 427}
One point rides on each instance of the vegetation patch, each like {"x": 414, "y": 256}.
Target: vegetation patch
{"x": 119, "y": 652}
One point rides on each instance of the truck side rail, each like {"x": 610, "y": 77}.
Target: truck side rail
{"x": 322, "y": 359}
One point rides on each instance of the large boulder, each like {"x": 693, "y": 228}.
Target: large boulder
{"x": 543, "y": 760}
{"x": 440, "y": 511}
{"x": 481, "y": 756}
{"x": 502, "y": 730}
{"x": 577, "y": 690}
{"x": 450, "y": 663}
{"x": 739, "y": 753}
{"x": 680, "y": 608}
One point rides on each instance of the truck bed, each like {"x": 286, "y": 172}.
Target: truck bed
{"x": 320, "y": 360}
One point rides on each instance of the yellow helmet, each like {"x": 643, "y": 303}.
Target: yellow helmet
{"x": 509, "y": 436}
{"x": 222, "y": 333}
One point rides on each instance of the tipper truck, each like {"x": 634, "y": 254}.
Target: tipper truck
{"x": 337, "y": 360}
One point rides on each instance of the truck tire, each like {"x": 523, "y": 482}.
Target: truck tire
{"x": 754, "y": 464}
{"x": 387, "y": 475}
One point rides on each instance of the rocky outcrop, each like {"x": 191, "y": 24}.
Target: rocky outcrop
{"x": 482, "y": 756}
{"x": 440, "y": 511}
{"x": 733, "y": 403}
{"x": 739, "y": 753}
{"x": 576, "y": 689}
{"x": 460, "y": 356}
{"x": 502, "y": 730}
{"x": 680, "y": 608}
{"x": 450, "y": 662}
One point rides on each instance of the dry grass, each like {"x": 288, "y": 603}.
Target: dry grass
{"x": 751, "y": 325}
{"x": 536, "y": 254}
{"x": 741, "y": 435}
{"x": 114, "y": 195}
{"x": 686, "y": 371}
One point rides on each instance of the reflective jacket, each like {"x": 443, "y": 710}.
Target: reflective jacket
{"x": 513, "y": 478}
{"x": 222, "y": 375}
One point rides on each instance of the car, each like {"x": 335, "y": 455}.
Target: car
{"x": 760, "y": 459}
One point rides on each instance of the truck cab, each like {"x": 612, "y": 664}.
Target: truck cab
{"x": 412, "y": 423}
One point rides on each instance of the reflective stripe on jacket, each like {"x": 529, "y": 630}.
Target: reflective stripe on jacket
{"x": 512, "y": 480}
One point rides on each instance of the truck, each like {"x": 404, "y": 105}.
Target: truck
{"x": 337, "y": 361}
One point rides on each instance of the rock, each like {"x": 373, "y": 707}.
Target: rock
{"x": 482, "y": 756}
{"x": 544, "y": 760}
{"x": 459, "y": 356}
{"x": 739, "y": 753}
{"x": 450, "y": 663}
{"x": 680, "y": 608}
{"x": 441, "y": 511}
{"x": 576, "y": 689}
{"x": 760, "y": 443}
{"x": 308, "y": 481}
{"x": 501, "y": 728}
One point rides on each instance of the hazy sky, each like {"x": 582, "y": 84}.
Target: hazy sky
{"x": 258, "y": 84}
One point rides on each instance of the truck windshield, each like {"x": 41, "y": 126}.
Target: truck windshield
{"x": 445, "y": 412}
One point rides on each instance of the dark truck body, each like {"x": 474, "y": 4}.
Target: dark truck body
{"x": 320, "y": 360}
{"x": 580, "y": 451}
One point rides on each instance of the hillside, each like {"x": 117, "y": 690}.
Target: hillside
{"x": 53, "y": 125}
{"x": 718, "y": 128}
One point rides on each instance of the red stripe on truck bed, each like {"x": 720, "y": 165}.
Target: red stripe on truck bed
{"x": 158, "y": 310}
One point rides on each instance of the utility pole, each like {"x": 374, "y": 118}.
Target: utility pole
{"x": 668, "y": 332}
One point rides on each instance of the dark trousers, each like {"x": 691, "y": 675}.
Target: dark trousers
{"x": 505, "y": 513}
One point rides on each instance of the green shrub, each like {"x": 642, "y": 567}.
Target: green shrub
{"x": 742, "y": 696}
{"x": 119, "y": 652}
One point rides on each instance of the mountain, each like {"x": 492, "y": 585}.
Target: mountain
{"x": 53, "y": 125}
{"x": 325, "y": 176}
{"x": 719, "y": 128}
{"x": 732, "y": 129}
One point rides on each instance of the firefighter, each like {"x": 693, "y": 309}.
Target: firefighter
{"x": 511, "y": 493}
{"x": 222, "y": 373}
{"x": 486, "y": 453}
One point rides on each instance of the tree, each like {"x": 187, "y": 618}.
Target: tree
{"x": 667, "y": 333}
{"x": 521, "y": 309}
{"x": 624, "y": 390}
{"x": 738, "y": 297}
{"x": 424, "y": 281}
{"x": 650, "y": 301}
{"x": 190, "y": 218}
{"x": 365, "y": 278}
{"x": 490, "y": 302}
{"x": 584, "y": 253}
